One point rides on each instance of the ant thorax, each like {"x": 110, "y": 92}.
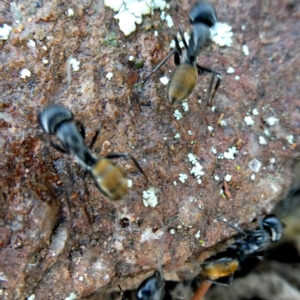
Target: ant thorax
{"x": 185, "y": 59}
{"x": 73, "y": 142}
{"x": 83, "y": 164}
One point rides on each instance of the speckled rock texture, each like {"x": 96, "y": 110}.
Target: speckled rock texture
{"x": 58, "y": 234}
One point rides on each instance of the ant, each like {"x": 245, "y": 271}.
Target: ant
{"x": 183, "y": 80}
{"x": 109, "y": 178}
{"x": 221, "y": 267}
{"x": 152, "y": 288}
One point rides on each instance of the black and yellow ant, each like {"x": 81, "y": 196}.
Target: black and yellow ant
{"x": 109, "y": 178}
{"x": 184, "y": 78}
{"x": 221, "y": 267}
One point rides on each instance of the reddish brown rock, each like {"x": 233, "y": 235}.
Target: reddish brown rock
{"x": 60, "y": 234}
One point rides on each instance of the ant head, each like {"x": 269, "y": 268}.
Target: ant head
{"x": 273, "y": 226}
{"x": 203, "y": 12}
{"x": 200, "y": 37}
{"x": 52, "y": 116}
{"x": 151, "y": 288}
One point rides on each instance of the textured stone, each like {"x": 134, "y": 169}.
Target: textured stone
{"x": 52, "y": 217}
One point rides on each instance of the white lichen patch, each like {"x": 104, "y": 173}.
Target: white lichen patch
{"x": 245, "y": 50}
{"x": 223, "y": 123}
{"x": 228, "y": 177}
{"x": 148, "y": 235}
{"x": 172, "y": 231}
{"x": 213, "y": 108}
{"x": 197, "y": 172}
{"x": 254, "y": 165}
{"x": 190, "y": 132}
{"x": 5, "y": 31}
{"x": 230, "y": 70}
{"x": 255, "y": 111}
{"x": 182, "y": 177}
{"x": 229, "y": 154}
{"x": 74, "y": 63}
{"x": 109, "y": 75}
{"x": 267, "y": 132}
{"x": 192, "y": 158}
{"x": 164, "y": 80}
{"x": 198, "y": 234}
{"x": 72, "y": 296}
{"x": 213, "y": 150}
{"x": 31, "y": 297}
{"x": 262, "y": 140}
{"x": 290, "y": 139}
{"x": 210, "y": 128}
{"x": 131, "y": 12}
{"x": 249, "y": 121}
{"x": 169, "y": 21}
{"x": 129, "y": 183}
{"x": 216, "y": 177}
{"x": 127, "y": 22}
{"x": 237, "y": 77}
{"x": 272, "y": 160}
{"x": 70, "y": 12}
{"x": 150, "y": 198}
{"x": 25, "y": 73}
{"x": 45, "y": 61}
{"x": 177, "y": 114}
{"x": 31, "y": 43}
{"x": 197, "y": 169}
{"x": 272, "y": 121}
{"x": 131, "y": 58}
{"x": 185, "y": 106}
{"x": 252, "y": 177}
{"x": 221, "y": 34}
{"x": 177, "y": 136}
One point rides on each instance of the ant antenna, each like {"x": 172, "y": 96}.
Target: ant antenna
{"x": 121, "y": 291}
{"x": 232, "y": 226}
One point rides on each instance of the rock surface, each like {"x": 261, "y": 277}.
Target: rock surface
{"x": 59, "y": 234}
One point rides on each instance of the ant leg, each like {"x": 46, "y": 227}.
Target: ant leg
{"x": 121, "y": 293}
{"x": 232, "y": 226}
{"x": 177, "y": 47}
{"x": 182, "y": 37}
{"x": 55, "y": 146}
{"x": 215, "y": 74}
{"x": 95, "y": 137}
{"x": 160, "y": 64}
{"x": 226, "y": 282}
{"x": 201, "y": 291}
{"x": 127, "y": 155}
{"x": 216, "y": 86}
{"x": 82, "y": 130}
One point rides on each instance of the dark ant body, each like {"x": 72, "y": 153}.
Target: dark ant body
{"x": 185, "y": 76}
{"x": 152, "y": 288}
{"x": 221, "y": 267}
{"x": 109, "y": 178}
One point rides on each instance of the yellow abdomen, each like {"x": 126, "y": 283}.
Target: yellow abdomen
{"x": 216, "y": 270}
{"x": 110, "y": 179}
{"x": 182, "y": 82}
